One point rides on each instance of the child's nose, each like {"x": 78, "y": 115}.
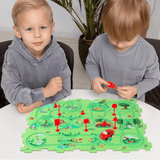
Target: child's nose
{"x": 37, "y": 34}
{"x": 119, "y": 44}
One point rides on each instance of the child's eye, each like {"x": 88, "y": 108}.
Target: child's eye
{"x": 29, "y": 29}
{"x": 43, "y": 27}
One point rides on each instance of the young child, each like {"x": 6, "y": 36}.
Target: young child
{"x": 120, "y": 55}
{"x": 35, "y": 70}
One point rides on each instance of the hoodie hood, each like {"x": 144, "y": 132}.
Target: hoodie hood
{"x": 18, "y": 45}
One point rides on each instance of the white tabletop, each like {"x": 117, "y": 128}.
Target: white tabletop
{"x": 13, "y": 124}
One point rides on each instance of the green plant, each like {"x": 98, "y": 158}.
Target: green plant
{"x": 93, "y": 10}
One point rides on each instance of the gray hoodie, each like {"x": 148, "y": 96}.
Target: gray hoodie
{"x": 23, "y": 76}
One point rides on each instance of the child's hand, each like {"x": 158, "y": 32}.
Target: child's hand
{"x": 127, "y": 92}
{"x": 96, "y": 85}
{"x": 20, "y": 107}
{"x": 25, "y": 109}
{"x": 54, "y": 86}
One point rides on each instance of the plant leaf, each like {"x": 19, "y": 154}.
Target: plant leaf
{"x": 93, "y": 11}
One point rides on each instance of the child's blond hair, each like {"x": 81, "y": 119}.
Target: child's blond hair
{"x": 124, "y": 19}
{"x": 26, "y": 5}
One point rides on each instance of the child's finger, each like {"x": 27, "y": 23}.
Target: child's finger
{"x": 121, "y": 92}
{"x": 19, "y": 108}
{"x": 102, "y": 90}
{"x": 17, "y": 104}
{"x": 99, "y": 89}
{"x": 122, "y": 88}
{"x": 95, "y": 90}
{"x": 59, "y": 85}
{"x": 104, "y": 82}
{"x": 22, "y": 107}
{"x": 121, "y": 95}
{"x": 59, "y": 88}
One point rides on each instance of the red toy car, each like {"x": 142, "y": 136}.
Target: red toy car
{"x": 103, "y": 124}
{"x": 107, "y": 134}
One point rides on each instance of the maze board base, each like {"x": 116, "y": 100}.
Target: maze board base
{"x": 129, "y": 135}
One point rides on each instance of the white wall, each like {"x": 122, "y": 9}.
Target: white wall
{"x": 154, "y": 28}
{"x": 65, "y": 26}
{"x": 64, "y": 23}
{"x": 5, "y": 15}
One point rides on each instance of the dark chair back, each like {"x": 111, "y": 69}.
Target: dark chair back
{"x": 4, "y": 46}
{"x": 153, "y": 96}
{"x": 70, "y": 58}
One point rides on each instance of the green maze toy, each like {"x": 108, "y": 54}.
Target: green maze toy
{"x": 88, "y": 125}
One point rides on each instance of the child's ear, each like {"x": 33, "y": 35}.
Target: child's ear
{"x": 16, "y": 31}
{"x": 52, "y": 28}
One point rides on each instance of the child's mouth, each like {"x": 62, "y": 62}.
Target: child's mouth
{"x": 38, "y": 43}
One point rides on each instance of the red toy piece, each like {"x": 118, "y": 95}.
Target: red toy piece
{"x": 59, "y": 110}
{"x": 85, "y": 122}
{"x": 55, "y": 105}
{"x": 112, "y": 85}
{"x": 82, "y": 113}
{"x": 57, "y": 123}
{"x": 114, "y": 106}
{"x": 103, "y": 124}
{"x": 115, "y": 120}
{"x": 107, "y": 134}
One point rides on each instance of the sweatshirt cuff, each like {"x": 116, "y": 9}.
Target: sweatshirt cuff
{"x": 47, "y": 101}
{"x": 138, "y": 92}
{"x": 53, "y": 99}
{"x": 37, "y": 94}
{"x": 59, "y": 97}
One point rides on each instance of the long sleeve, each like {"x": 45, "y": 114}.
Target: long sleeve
{"x": 151, "y": 78}
{"x": 92, "y": 65}
{"x": 64, "y": 73}
{"x": 12, "y": 85}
